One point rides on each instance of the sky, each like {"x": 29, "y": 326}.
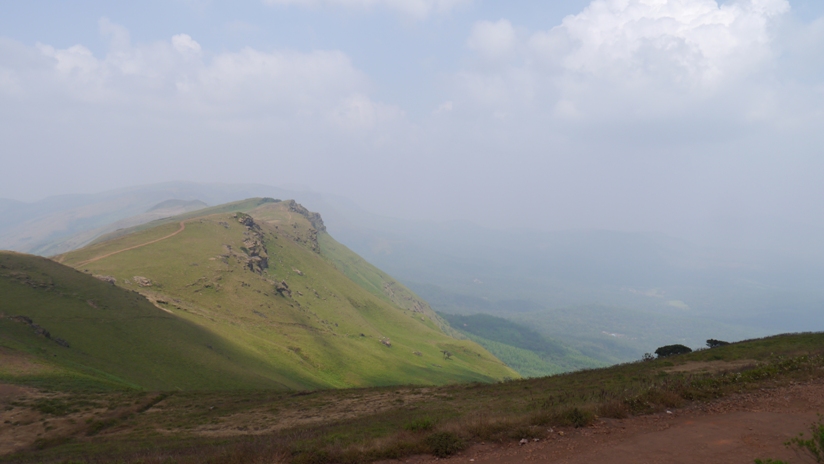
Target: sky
{"x": 695, "y": 118}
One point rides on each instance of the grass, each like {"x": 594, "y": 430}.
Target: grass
{"x": 525, "y": 350}
{"x": 435, "y": 420}
{"x": 124, "y": 342}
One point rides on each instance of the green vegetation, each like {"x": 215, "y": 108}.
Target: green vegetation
{"x": 443, "y": 444}
{"x": 812, "y": 447}
{"x": 225, "y": 301}
{"x": 672, "y": 350}
{"x": 525, "y": 350}
{"x": 713, "y": 343}
{"x": 117, "y": 338}
{"x": 424, "y": 424}
{"x": 361, "y": 425}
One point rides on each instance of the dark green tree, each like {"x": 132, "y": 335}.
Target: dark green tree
{"x": 713, "y": 343}
{"x": 672, "y": 350}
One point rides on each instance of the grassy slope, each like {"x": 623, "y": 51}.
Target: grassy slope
{"x": 378, "y": 282}
{"x": 314, "y": 335}
{"x": 525, "y": 350}
{"x": 117, "y": 338}
{"x": 504, "y": 411}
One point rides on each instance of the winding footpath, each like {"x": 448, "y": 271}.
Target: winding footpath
{"x": 98, "y": 258}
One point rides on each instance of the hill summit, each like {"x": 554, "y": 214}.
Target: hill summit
{"x": 252, "y": 294}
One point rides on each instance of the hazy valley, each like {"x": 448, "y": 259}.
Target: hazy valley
{"x": 610, "y": 296}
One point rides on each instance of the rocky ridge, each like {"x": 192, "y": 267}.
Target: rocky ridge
{"x": 39, "y": 330}
{"x": 257, "y": 257}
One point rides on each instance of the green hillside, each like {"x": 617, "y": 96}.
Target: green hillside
{"x": 221, "y": 299}
{"x": 394, "y": 423}
{"x": 525, "y": 350}
{"x": 116, "y": 338}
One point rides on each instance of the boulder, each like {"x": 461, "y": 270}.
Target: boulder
{"x": 106, "y": 278}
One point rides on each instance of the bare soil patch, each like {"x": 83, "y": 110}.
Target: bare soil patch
{"x": 263, "y": 420}
{"x": 737, "y": 429}
{"x": 21, "y": 425}
{"x": 29, "y": 416}
{"x": 712, "y": 367}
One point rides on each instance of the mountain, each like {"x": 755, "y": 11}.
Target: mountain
{"x": 80, "y": 239}
{"x": 253, "y": 294}
{"x": 66, "y": 222}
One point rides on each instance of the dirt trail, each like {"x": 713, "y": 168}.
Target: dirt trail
{"x": 98, "y": 258}
{"x": 739, "y": 429}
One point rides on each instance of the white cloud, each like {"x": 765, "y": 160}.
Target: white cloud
{"x": 444, "y": 107}
{"x": 699, "y": 40}
{"x": 76, "y": 60}
{"x": 360, "y": 113}
{"x": 118, "y": 35}
{"x": 492, "y": 40}
{"x": 173, "y": 109}
{"x": 177, "y": 76}
{"x": 9, "y": 84}
{"x": 630, "y": 59}
{"x": 184, "y": 43}
{"x": 416, "y": 8}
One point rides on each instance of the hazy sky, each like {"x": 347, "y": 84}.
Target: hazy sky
{"x": 691, "y": 117}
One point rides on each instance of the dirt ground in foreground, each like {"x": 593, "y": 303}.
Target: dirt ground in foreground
{"x": 737, "y": 429}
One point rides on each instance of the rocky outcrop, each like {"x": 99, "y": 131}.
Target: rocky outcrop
{"x": 403, "y": 298}
{"x": 257, "y": 257}
{"x": 39, "y": 330}
{"x": 142, "y": 281}
{"x": 313, "y": 218}
{"x": 283, "y": 289}
{"x": 106, "y": 278}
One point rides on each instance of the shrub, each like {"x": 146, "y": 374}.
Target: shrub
{"x": 99, "y": 425}
{"x": 570, "y": 417}
{"x": 713, "y": 343}
{"x": 55, "y": 407}
{"x": 316, "y": 456}
{"x": 814, "y": 447}
{"x": 576, "y": 417}
{"x": 443, "y": 444}
{"x": 614, "y": 409}
{"x": 420, "y": 425}
{"x": 672, "y": 350}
